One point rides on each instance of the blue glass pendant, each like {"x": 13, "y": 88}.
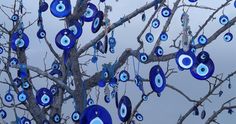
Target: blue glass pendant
{"x": 124, "y": 108}
{"x": 76, "y": 28}
{"x": 44, "y": 97}
{"x": 56, "y": 72}
{"x": 223, "y": 19}
{"x": 75, "y": 116}
{"x": 149, "y": 37}
{"x": 20, "y": 41}
{"x": 41, "y": 33}
{"x": 228, "y": 37}
{"x": 166, "y": 12}
{"x": 3, "y": 113}
{"x": 54, "y": 89}
{"x": 25, "y": 84}
{"x": 8, "y": 97}
{"x": 43, "y": 6}
{"x": 90, "y": 13}
{"x": 15, "y": 17}
{"x": 17, "y": 82}
{"x": 155, "y": 23}
{"x": 192, "y": 1}
{"x": 1, "y": 50}
{"x": 65, "y": 39}
{"x": 13, "y": 61}
{"x": 22, "y": 96}
{"x": 124, "y": 76}
{"x": 202, "y": 40}
{"x": 107, "y": 99}
{"x": 60, "y": 8}
{"x": 139, "y": 117}
{"x": 159, "y": 51}
{"x": 157, "y": 79}
{"x": 95, "y": 114}
{"x": 97, "y": 22}
{"x": 185, "y": 60}
{"x": 24, "y": 120}
{"x": 203, "y": 71}
{"x": 56, "y": 118}
{"x": 139, "y": 82}
{"x": 90, "y": 102}
{"x": 143, "y": 57}
{"x": 163, "y": 36}
{"x": 203, "y": 57}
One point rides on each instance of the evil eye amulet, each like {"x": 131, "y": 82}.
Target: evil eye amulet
{"x": 90, "y": 12}
{"x": 25, "y": 85}
{"x": 166, "y": 12}
{"x": 41, "y": 33}
{"x": 223, "y": 19}
{"x": 192, "y": 1}
{"x": 15, "y": 17}
{"x": 75, "y": 116}
{"x": 9, "y": 97}
{"x": 60, "y": 8}
{"x": 143, "y": 57}
{"x": 124, "y": 76}
{"x": 159, "y": 51}
{"x": 228, "y": 37}
{"x": 202, "y": 40}
{"x": 1, "y": 50}
{"x": 112, "y": 42}
{"x": 139, "y": 117}
{"x": 155, "y": 23}
{"x": 185, "y": 60}
{"x": 20, "y": 41}
{"x": 203, "y": 71}
{"x": 149, "y": 37}
{"x": 56, "y": 118}
{"x": 157, "y": 79}
{"x": 44, "y": 97}
{"x": 90, "y": 102}
{"x": 43, "y": 7}
{"x": 65, "y": 39}
{"x": 163, "y": 36}
{"x": 203, "y": 57}
{"x": 3, "y": 113}
{"x": 124, "y": 108}
{"x": 107, "y": 99}
{"x": 25, "y": 120}
{"x": 97, "y": 22}
{"x": 22, "y": 96}
{"x": 76, "y": 28}
{"x": 13, "y": 61}
{"x": 95, "y": 114}
{"x": 54, "y": 89}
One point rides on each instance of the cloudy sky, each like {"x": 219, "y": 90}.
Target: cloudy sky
{"x": 170, "y": 105}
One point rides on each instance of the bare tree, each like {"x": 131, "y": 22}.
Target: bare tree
{"x": 67, "y": 78}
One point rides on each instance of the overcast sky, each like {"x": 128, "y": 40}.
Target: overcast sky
{"x": 170, "y": 105}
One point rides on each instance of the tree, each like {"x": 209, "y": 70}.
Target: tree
{"x": 70, "y": 80}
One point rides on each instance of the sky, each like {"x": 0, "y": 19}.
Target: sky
{"x": 170, "y": 105}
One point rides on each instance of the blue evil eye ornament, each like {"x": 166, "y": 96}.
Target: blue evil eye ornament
{"x": 17, "y": 82}
{"x": 22, "y": 96}
{"x": 43, "y": 6}
{"x": 90, "y": 102}
{"x": 76, "y": 28}
{"x": 124, "y": 76}
{"x": 65, "y": 39}
{"x": 8, "y": 97}
{"x": 112, "y": 44}
{"x": 1, "y": 50}
{"x": 56, "y": 118}
{"x": 139, "y": 117}
{"x": 3, "y": 113}
{"x": 60, "y": 8}
{"x": 55, "y": 65}
{"x": 15, "y": 17}
{"x": 97, "y": 22}
{"x": 155, "y": 23}
{"x": 159, "y": 51}
{"x": 13, "y": 61}
{"x": 24, "y": 120}
{"x": 25, "y": 84}
{"x": 203, "y": 57}
{"x": 149, "y": 37}
{"x": 41, "y": 33}
{"x": 157, "y": 79}
{"x": 202, "y": 40}
{"x": 95, "y": 114}
{"x": 143, "y": 57}
{"x": 54, "y": 89}
{"x": 203, "y": 71}
{"x": 90, "y": 12}
{"x": 223, "y": 19}
{"x": 75, "y": 116}
{"x": 44, "y": 97}
{"x": 20, "y": 41}
{"x": 228, "y": 37}
{"x": 166, "y": 12}
{"x": 113, "y": 82}
{"x": 185, "y": 60}
{"x": 107, "y": 98}
{"x": 192, "y": 1}
{"x": 124, "y": 108}
{"x": 163, "y": 36}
